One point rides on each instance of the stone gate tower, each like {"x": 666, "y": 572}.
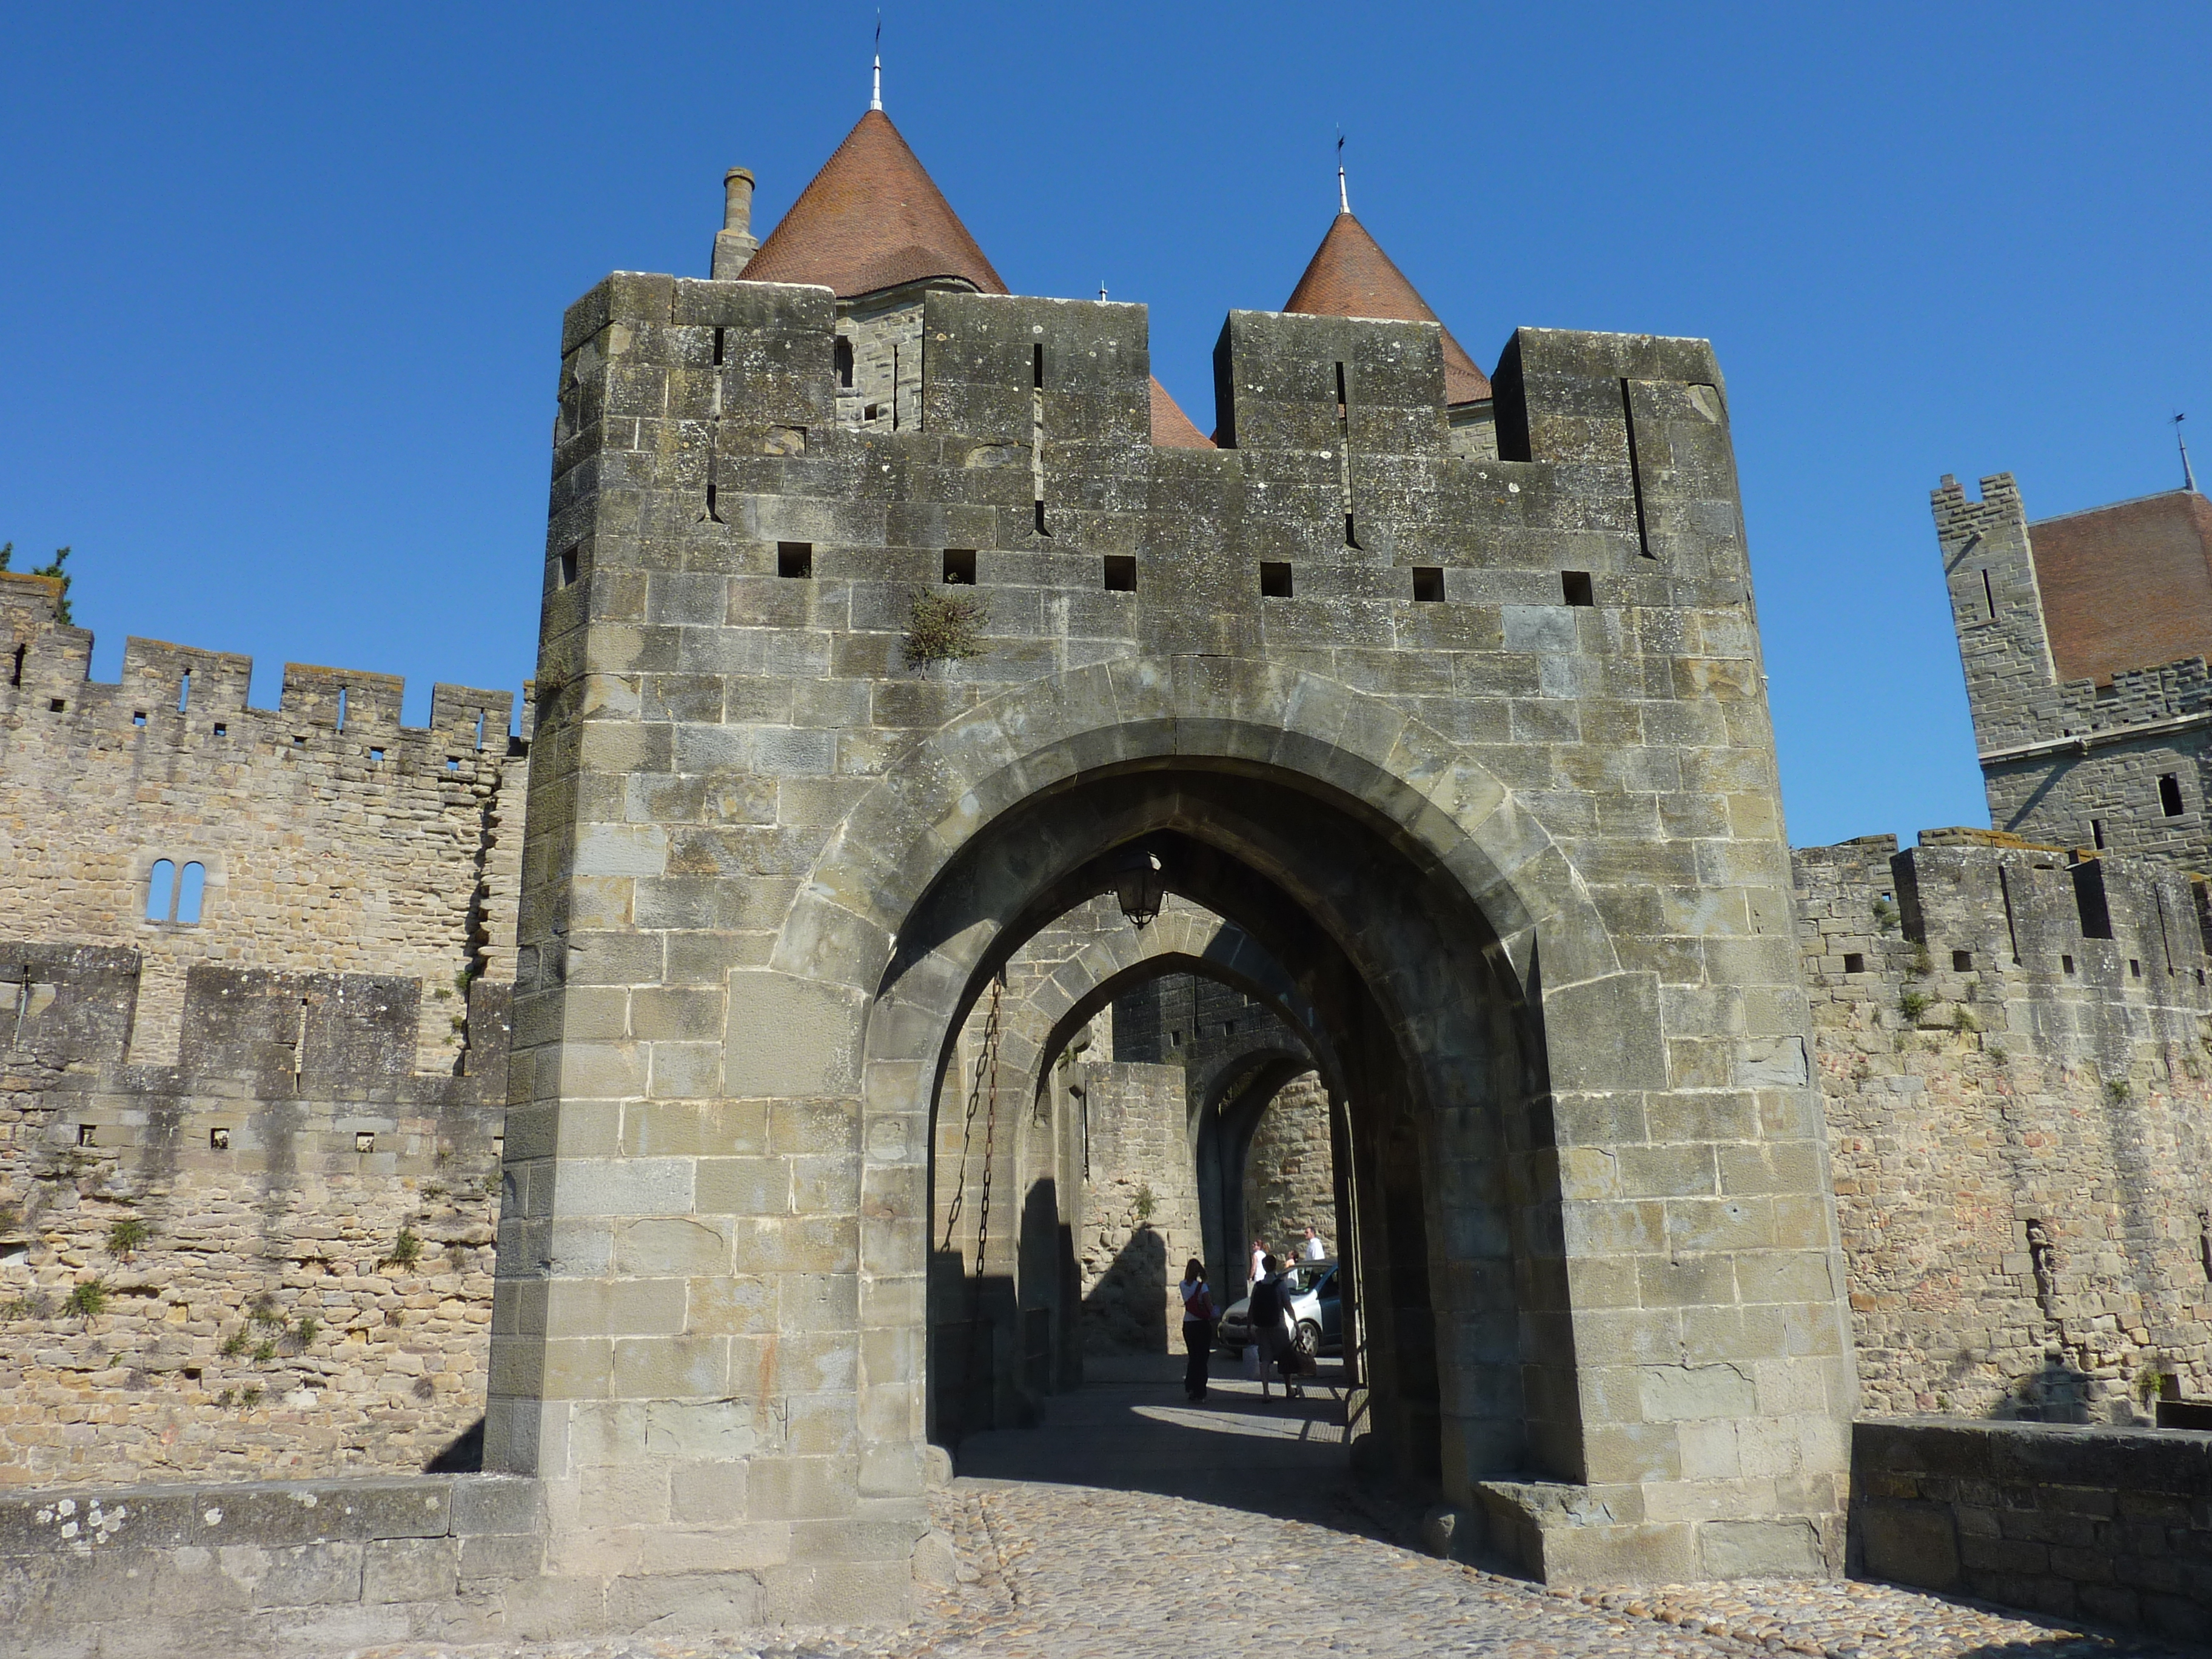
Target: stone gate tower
{"x": 1475, "y": 746}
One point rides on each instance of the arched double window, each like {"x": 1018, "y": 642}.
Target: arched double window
{"x": 169, "y": 898}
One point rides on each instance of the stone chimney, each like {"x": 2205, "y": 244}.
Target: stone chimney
{"x": 734, "y": 244}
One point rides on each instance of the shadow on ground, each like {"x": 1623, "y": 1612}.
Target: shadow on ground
{"x": 1130, "y": 1428}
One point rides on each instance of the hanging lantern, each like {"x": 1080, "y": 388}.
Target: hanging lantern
{"x": 1140, "y": 886}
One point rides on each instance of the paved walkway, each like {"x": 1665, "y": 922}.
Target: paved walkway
{"x": 1133, "y": 1527}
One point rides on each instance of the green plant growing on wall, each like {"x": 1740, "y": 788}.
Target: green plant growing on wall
{"x": 264, "y": 1352}
{"x": 406, "y": 1249}
{"x": 1912, "y": 1003}
{"x": 127, "y": 1237}
{"x": 1885, "y": 913}
{"x": 1963, "y": 1020}
{"x": 234, "y": 1345}
{"x": 2118, "y": 1088}
{"x": 2147, "y": 1383}
{"x": 1995, "y": 1052}
{"x": 52, "y": 569}
{"x": 251, "y": 1398}
{"x": 1922, "y": 964}
{"x": 19, "y": 1308}
{"x": 303, "y": 1333}
{"x": 263, "y": 1310}
{"x": 944, "y": 628}
{"x": 1146, "y": 1204}
{"x": 88, "y": 1298}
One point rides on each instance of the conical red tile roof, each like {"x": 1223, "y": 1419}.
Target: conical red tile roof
{"x": 871, "y": 219}
{"x": 1351, "y": 276}
{"x": 1171, "y": 428}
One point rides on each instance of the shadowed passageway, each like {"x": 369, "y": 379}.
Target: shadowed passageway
{"x": 1129, "y": 1429}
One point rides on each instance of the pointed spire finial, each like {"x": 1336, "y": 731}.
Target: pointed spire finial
{"x": 2188, "y": 474}
{"x": 876, "y": 99}
{"x": 1343, "y": 197}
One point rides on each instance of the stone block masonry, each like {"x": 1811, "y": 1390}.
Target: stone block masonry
{"x": 329, "y": 837}
{"x": 2013, "y": 1043}
{"x": 2119, "y": 759}
{"x": 2114, "y": 1525}
{"x": 1485, "y": 757}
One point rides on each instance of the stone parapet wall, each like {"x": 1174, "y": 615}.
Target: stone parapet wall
{"x": 2013, "y": 1046}
{"x": 271, "y": 1260}
{"x": 2106, "y": 1524}
{"x": 238, "y": 1571}
{"x": 333, "y": 839}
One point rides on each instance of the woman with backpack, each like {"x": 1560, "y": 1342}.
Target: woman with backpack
{"x": 1198, "y": 1316}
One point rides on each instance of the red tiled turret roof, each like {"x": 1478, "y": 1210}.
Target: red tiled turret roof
{"x": 1351, "y": 276}
{"x": 1171, "y": 428}
{"x": 872, "y": 219}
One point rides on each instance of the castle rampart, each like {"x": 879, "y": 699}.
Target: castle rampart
{"x": 2013, "y": 1044}
{"x": 269, "y": 1261}
{"x": 318, "y": 836}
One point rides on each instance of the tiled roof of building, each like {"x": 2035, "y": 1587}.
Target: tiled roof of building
{"x": 1171, "y": 428}
{"x": 1351, "y": 276}
{"x": 872, "y": 219}
{"x": 2127, "y": 585}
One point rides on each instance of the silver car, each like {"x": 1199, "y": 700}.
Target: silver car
{"x": 1315, "y": 1298}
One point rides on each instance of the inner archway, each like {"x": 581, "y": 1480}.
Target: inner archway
{"x": 1402, "y": 972}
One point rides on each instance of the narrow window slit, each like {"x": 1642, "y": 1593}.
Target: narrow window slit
{"x": 568, "y": 565}
{"x": 844, "y": 356}
{"x": 1989, "y": 594}
{"x": 342, "y": 707}
{"x": 1041, "y": 529}
{"x": 2004, "y": 890}
{"x": 2169, "y": 795}
{"x": 1036, "y": 369}
{"x": 184, "y": 692}
{"x": 2097, "y": 831}
{"x": 1635, "y": 470}
{"x": 718, "y": 347}
{"x": 15, "y": 676}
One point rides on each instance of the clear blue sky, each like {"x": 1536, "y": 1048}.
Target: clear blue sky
{"x": 285, "y": 284}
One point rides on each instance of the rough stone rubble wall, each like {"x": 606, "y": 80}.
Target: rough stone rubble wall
{"x": 2017, "y": 1115}
{"x": 302, "y": 1283}
{"x": 1289, "y": 1178}
{"x": 332, "y": 843}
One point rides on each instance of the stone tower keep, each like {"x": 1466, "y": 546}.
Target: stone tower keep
{"x": 1477, "y": 747}
{"x": 2083, "y": 639}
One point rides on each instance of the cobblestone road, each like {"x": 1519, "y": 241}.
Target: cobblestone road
{"x": 1135, "y": 1528}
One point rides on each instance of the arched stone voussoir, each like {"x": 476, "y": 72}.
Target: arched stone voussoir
{"x": 903, "y": 833}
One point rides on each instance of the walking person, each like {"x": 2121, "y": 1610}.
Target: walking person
{"x": 1314, "y": 1248}
{"x": 1275, "y": 1327}
{"x": 1198, "y": 1314}
{"x": 1259, "y": 1266}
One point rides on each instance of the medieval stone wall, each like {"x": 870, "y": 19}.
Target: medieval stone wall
{"x": 1140, "y": 1215}
{"x": 1290, "y": 1176}
{"x": 332, "y": 839}
{"x": 269, "y": 1261}
{"x": 2013, "y": 1044}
